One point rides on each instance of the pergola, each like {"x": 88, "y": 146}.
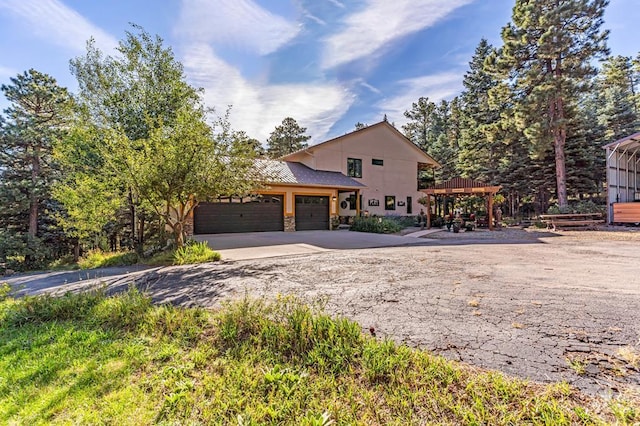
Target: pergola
{"x": 462, "y": 186}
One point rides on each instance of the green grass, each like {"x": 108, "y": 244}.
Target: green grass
{"x": 92, "y": 359}
{"x": 195, "y": 252}
{"x": 100, "y": 259}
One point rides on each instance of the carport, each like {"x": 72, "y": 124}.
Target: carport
{"x": 462, "y": 187}
{"x": 623, "y": 181}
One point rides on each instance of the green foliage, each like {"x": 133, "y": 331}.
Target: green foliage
{"x": 577, "y": 207}
{"x": 155, "y": 141}
{"x": 195, "y": 252}
{"x": 547, "y": 63}
{"x": 88, "y": 358}
{"x": 37, "y": 116}
{"x": 376, "y": 225}
{"x": 287, "y": 138}
{"x": 100, "y": 259}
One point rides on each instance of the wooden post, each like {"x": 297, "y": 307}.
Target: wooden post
{"x": 490, "y": 208}
{"x": 358, "y": 202}
{"x": 428, "y": 207}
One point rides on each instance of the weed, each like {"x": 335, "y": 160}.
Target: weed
{"x": 578, "y": 365}
{"x": 630, "y": 355}
{"x": 517, "y": 325}
{"x": 195, "y": 252}
{"x": 473, "y": 303}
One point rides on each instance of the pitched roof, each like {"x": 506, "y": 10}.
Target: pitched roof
{"x": 365, "y": 129}
{"x": 289, "y": 172}
{"x": 629, "y": 140}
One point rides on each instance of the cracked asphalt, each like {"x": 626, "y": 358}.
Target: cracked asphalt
{"x": 537, "y": 305}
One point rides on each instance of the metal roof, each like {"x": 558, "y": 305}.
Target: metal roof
{"x": 635, "y": 138}
{"x": 293, "y": 173}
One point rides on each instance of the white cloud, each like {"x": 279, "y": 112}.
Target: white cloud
{"x": 6, "y": 72}
{"x": 52, "y": 21}
{"x": 435, "y": 87}
{"x": 259, "y": 107}
{"x": 380, "y": 23}
{"x": 234, "y": 23}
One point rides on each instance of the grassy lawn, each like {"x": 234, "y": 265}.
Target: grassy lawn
{"x": 93, "y": 359}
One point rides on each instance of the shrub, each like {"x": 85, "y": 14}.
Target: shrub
{"x": 577, "y": 207}
{"x": 377, "y": 225}
{"x": 100, "y": 259}
{"x": 404, "y": 221}
{"x": 195, "y": 252}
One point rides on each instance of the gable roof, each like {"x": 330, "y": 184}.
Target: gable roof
{"x": 364, "y": 130}
{"x": 289, "y": 172}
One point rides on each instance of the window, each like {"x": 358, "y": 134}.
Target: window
{"x": 354, "y": 167}
{"x": 389, "y": 202}
{"x": 409, "y": 205}
{"x": 377, "y": 162}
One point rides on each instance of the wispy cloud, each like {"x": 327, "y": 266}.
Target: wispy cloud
{"x": 236, "y": 24}
{"x": 54, "y": 22}
{"x": 258, "y": 107}
{"x": 380, "y": 23}
{"x": 435, "y": 87}
{"x": 6, "y": 72}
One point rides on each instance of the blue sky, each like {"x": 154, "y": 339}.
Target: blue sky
{"x": 326, "y": 63}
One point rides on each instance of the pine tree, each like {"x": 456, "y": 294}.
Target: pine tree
{"x": 421, "y": 126}
{"x": 478, "y": 157}
{"x": 547, "y": 58}
{"x": 615, "y": 85}
{"x": 287, "y": 138}
{"x": 35, "y": 119}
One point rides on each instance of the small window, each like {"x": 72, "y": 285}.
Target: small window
{"x": 389, "y": 202}
{"x": 354, "y": 167}
{"x": 377, "y": 162}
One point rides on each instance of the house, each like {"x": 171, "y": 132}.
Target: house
{"x": 375, "y": 170}
{"x": 623, "y": 180}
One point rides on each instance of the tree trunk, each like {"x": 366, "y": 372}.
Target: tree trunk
{"x": 559, "y": 139}
{"x": 33, "y": 201}
{"x": 178, "y": 234}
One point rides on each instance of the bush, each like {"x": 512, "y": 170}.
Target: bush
{"x": 376, "y": 225}
{"x": 195, "y": 252}
{"x": 404, "y": 221}
{"x": 437, "y": 222}
{"x": 100, "y": 259}
{"x": 577, "y": 207}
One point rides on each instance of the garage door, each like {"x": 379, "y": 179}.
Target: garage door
{"x": 312, "y": 213}
{"x": 256, "y": 215}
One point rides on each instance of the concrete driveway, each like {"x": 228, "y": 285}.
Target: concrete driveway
{"x": 256, "y": 245}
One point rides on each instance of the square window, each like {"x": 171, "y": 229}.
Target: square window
{"x": 389, "y": 202}
{"x": 354, "y": 167}
{"x": 377, "y": 162}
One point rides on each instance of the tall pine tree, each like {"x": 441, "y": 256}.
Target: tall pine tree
{"x": 287, "y": 138}
{"x": 547, "y": 58}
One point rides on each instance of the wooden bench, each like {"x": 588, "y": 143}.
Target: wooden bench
{"x": 588, "y": 220}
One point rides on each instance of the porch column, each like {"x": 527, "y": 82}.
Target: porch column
{"x": 428, "y": 207}
{"x": 358, "y": 202}
{"x": 490, "y": 208}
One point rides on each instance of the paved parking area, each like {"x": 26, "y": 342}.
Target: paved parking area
{"x": 544, "y": 306}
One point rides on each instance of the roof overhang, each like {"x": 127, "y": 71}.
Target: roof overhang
{"x": 629, "y": 142}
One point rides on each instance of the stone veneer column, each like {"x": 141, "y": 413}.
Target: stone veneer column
{"x": 289, "y": 223}
{"x": 188, "y": 226}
